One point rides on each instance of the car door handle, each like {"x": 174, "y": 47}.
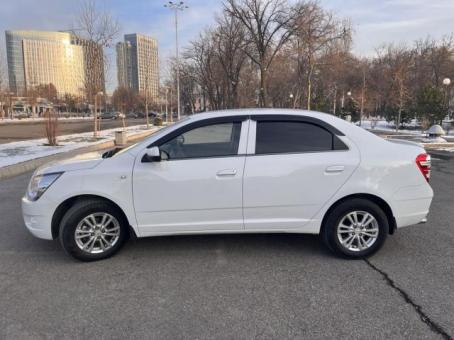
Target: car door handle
{"x": 334, "y": 169}
{"x": 226, "y": 172}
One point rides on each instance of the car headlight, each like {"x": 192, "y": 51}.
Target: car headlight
{"x": 39, "y": 184}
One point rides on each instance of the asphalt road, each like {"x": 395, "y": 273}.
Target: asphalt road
{"x": 13, "y": 132}
{"x": 231, "y": 287}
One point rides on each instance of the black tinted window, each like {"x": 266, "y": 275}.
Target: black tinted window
{"x": 206, "y": 141}
{"x": 292, "y": 136}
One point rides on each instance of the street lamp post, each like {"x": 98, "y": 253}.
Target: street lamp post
{"x": 177, "y": 6}
{"x": 446, "y": 83}
{"x": 349, "y": 94}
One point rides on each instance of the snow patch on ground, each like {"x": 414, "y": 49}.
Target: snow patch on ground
{"x": 383, "y": 125}
{"x": 40, "y": 119}
{"x": 18, "y": 152}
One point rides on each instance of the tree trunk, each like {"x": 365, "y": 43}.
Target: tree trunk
{"x": 95, "y": 128}
{"x": 262, "y": 93}
{"x": 309, "y": 87}
{"x": 399, "y": 115}
{"x": 398, "y": 119}
{"x": 146, "y": 113}
{"x": 335, "y": 100}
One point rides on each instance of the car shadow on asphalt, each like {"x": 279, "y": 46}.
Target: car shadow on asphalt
{"x": 229, "y": 244}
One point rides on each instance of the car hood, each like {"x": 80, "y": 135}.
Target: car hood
{"x": 80, "y": 162}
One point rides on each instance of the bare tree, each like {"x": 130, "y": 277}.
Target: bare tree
{"x": 268, "y": 26}
{"x": 96, "y": 29}
{"x": 145, "y": 95}
{"x": 124, "y": 99}
{"x": 229, "y": 40}
{"x": 283, "y": 87}
{"x": 316, "y": 31}
{"x": 3, "y": 87}
{"x": 301, "y": 56}
{"x": 33, "y": 95}
{"x": 202, "y": 53}
{"x": 189, "y": 86}
{"x": 396, "y": 65}
{"x": 51, "y": 126}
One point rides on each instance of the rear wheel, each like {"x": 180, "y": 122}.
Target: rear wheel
{"x": 92, "y": 230}
{"x": 355, "y": 228}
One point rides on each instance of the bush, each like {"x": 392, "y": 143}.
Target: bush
{"x": 157, "y": 121}
{"x": 51, "y": 120}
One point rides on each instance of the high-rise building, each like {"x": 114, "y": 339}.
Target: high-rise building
{"x": 58, "y": 58}
{"x": 137, "y": 64}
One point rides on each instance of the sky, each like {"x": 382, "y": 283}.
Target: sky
{"x": 375, "y": 22}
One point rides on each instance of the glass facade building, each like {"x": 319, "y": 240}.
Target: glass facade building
{"x": 39, "y": 57}
{"x": 137, "y": 64}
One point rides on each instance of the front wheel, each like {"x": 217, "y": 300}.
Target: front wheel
{"x": 355, "y": 228}
{"x": 92, "y": 230}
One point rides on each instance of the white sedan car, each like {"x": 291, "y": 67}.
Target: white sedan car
{"x": 241, "y": 171}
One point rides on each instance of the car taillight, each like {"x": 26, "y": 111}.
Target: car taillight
{"x": 423, "y": 163}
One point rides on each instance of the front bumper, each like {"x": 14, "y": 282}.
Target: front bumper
{"x": 38, "y": 217}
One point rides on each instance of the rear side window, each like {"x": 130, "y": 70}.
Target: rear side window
{"x": 294, "y": 136}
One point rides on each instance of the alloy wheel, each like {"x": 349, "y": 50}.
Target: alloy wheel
{"x": 97, "y": 233}
{"x": 357, "y": 231}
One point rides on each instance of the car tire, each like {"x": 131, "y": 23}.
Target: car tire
{"x": 96, "y": 221}
{"x": 350, "y": 237}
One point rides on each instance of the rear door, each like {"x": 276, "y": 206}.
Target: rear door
{"x": 294, "y": 165}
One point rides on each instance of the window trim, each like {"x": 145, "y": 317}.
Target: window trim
{"x": 302, "y": 119}
{"x": 203, "y": 123}
{"x": 198, "y": 124}
{"x": 275, "y": 118}
{"x": 250, "y": 133}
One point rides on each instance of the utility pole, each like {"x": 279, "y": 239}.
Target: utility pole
{"x": 177, "y": 6}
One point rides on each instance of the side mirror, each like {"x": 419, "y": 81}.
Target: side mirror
{"x": 152, "y": 155}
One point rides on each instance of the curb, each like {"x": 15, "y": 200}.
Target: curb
{"x": 441, "y": 154}
{"x": 23, "y": 167}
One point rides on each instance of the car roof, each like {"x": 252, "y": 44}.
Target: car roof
{"x": 256, "y": 111}
{"x": 357, "y": 134}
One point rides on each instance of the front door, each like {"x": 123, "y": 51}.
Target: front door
{"x": 197, "y": 186}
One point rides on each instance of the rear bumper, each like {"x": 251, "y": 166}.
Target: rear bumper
{"x": 412, "y": 204}
{"x": 37, "y": 219}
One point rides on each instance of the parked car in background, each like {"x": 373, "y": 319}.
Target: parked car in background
{"x": 131, "y": 115}
{"x": 106, "y": 115}
{"x": 240, "y": 171}
{"x": 150, "y": 115}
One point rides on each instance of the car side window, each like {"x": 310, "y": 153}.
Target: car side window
{"x": 294, "y": 136}
{"x": 213, "y": 140}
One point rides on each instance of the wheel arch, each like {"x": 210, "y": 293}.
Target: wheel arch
{"x": 69, "y": 202}
{"x": 373, "y": 198}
